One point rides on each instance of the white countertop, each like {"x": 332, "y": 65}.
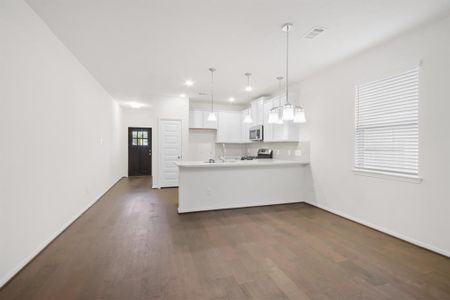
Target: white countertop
{"x": 238, "y": 163}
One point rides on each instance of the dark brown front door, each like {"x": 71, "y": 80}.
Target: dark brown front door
{"x": 139, "y": 151}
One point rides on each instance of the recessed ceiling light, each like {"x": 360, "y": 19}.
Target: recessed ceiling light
{"x": 135, "y": 105}
{"x": 248, "y": 88}
{"x": 231, "y": 99}
{"x": 183, "y": 95}
{"x": 188, "y": 83}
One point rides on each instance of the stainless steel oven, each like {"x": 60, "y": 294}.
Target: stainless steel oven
{"x": 256, "y": 133}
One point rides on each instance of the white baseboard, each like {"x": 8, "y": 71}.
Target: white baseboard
{"x": 384, "y": 230}
{"x": 43, "y": 245}
{"x": 213, "y": 208}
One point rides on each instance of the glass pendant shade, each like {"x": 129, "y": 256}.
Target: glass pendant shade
{"x": 273, "y": 117}
{"x": 299, "y": 116}
{"x": 212, "y": 117}
{"x": 248, "y": 119}
{"x": 279, "y": 121}
{"x": 288, "y": 112}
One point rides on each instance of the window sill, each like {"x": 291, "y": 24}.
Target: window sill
{"x": 387, "y": 175}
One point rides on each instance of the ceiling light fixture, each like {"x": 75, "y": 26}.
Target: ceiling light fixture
{"x": 248, "y": 118}
{"x": 248, "y": 88}
{"x": 299, "y": 115}
{"x": 289, "y": 110}
{"x": 188, "y": 83}
{"x": 212, "y": 115}
{"x": 183, "y": 95}
{"x": 135, "y": 105}
{"x": 231, "y": 99}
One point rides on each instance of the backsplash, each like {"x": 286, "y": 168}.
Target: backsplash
{"x": 202, "y": 146}
{"x": 288, "y": 151}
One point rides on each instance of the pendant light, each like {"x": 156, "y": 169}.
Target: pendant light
{"x": 274, "y": 113}
{"x": 248, "y": 117}
{"x": 212, "y": 116}
{"x": 299, "y": 116}
{"x": 290, "y": 112}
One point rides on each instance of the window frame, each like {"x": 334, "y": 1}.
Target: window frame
{"x": 383, "y": 172}
{"x": 142, "y": 138}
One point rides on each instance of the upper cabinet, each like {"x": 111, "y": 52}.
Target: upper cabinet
{"x": 209, "y": 124}
{"x": 229, "y": 128}
{"x": 245, "y": 127}
{"x": 195, "y": 119}
{"x": 199, "y": 120}
{"x": 268, "y": 128}
{"x": 257, "y": 111}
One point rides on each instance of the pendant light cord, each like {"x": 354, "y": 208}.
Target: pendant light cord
{"x": 212, "y": 88}
{"x": 280, "y": 89}
{"x": 248, "y": 85}
{"x": 212, "y": 91}
{"x": 287, "y": 64}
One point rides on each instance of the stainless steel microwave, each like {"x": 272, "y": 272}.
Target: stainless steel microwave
{"x": 256, "y": 133}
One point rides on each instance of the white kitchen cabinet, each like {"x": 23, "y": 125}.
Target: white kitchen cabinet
{"x": 257, "y": 111}
{"x": 229, "y": 129}
{"x": 288, "y": 131}
{"x": 195, "y": 119}
{"x": 199, "y": 120}
{"x": 259, "y": 119}
{"x": 268, "y": 128}
{"x": 209, "y": 124}
{"x": 245, "y": 127}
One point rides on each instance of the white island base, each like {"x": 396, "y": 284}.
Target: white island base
{"x": 204, "y": 186}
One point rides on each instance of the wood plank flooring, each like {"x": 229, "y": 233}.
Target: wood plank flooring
{"x": 133, "y": 245}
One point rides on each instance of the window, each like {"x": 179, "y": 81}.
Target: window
{"x": 387, "y": 131}
{"x": 140, "y": 138}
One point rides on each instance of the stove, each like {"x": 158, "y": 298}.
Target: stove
{"x": 263, "y": 153}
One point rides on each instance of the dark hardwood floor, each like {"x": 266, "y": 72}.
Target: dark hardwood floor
{"x": 132, "y": 244}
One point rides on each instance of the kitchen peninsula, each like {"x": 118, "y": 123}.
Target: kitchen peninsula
{"x": 236, "y": 183}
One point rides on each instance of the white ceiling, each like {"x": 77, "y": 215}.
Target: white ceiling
{"x": 139, "y": 49}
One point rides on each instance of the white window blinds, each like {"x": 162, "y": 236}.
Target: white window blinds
{"x": 387, "y": 133}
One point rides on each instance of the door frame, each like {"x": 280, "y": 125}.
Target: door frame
{"x": 159, "y": 144}
{"x": 150, "y": 144}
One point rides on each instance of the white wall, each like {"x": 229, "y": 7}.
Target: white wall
{"x": 206, "y": 106}
{"x": 160, "y": 108}
{"x": 59, "y": 137}
{"x": 416, "y": 212}
{"x": 202, "y": 144}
